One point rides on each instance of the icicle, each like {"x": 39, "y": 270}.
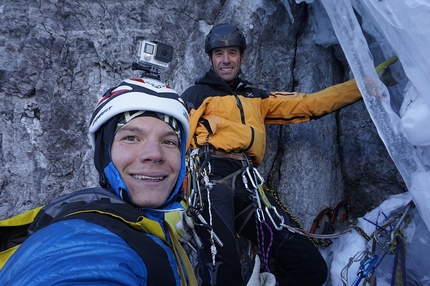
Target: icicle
{"x": 377, "y": 100}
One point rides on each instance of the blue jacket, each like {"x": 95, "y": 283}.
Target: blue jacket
{"x": 84, "y": 237}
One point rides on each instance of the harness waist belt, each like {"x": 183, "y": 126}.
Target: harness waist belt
{"x": 230, "y": 155}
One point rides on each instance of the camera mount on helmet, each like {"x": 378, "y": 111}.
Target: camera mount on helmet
{"x": 153, "y": 58}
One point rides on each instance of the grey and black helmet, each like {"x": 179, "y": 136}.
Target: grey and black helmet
{"x": 224, "y": 35}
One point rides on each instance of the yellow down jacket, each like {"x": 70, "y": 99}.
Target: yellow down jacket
{"x": 233, "y": 120}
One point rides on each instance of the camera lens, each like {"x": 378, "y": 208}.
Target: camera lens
{"x": 164, "y": 53}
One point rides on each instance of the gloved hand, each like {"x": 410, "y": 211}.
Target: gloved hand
{"x": 384, "y": 72}
{"x": 260, "y": 279}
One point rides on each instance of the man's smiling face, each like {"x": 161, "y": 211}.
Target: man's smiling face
{"x": 226, "y": 62}
{"x": 147, "y": 155}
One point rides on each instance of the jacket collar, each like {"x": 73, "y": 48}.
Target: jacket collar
{"x": 211, "y": 78}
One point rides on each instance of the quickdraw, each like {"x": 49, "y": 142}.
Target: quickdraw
{"x": 391, "y": 241}
{"x": 386, "y": 239}
{"x": 368, "y": 264}
{"x": 257, "y": 194}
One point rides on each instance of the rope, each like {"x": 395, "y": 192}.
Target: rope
{"x": 257, "y": 223}
{"x": 391, "y": 240}
{"x": 399, "y": 269}
{"x": 265, "y": 252}
{"x": 212, "y": 234}
{"x": 314, "y": 235}
{"x": 359, "y": 256}
{"x": 299, "y": 229}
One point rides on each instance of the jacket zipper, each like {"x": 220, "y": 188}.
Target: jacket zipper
{"x": 242, "y": 118}
{"x": 239, "y": 105}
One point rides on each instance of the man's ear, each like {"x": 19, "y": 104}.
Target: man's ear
{"x": 210, "y": 59}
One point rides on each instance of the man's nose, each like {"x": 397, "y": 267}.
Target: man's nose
{"x": 225, "y": 58}
{"x": 152, "y": 151}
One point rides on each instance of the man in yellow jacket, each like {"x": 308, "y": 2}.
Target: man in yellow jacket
{"x": 227, "y": 118}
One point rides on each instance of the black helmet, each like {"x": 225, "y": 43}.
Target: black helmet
{"x": 224, "y": 35}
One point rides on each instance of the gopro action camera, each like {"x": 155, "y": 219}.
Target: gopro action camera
{"x": 154, "y": 55}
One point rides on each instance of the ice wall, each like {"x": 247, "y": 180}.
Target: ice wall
{"x": 406, "y": 138}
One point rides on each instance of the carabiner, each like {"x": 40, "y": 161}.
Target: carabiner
{"x": 259, "y": 177}
{"x": 281, "y": 218}
{"x": 260, "y": 214}
{"x": 246, "y": 177}
{"x": 370, "y": 262}
{"x": 245, "y": 181}
{"x": 402, "y": 221}
{"x": 248, "y": 172}
{"x": 258, "y": 209}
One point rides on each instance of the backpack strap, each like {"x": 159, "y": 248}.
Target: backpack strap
{"x": 181, "y": 258}
{"x": 137, "y": 239}
{"x": 146, "y": 226}
{"x": 13, "y": 231}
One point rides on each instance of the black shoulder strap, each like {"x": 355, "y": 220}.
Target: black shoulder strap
{"x": 99, "y": 207}
{"x": 154, "y": 256}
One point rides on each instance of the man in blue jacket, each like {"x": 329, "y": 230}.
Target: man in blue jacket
{"x": 116, "y": 234}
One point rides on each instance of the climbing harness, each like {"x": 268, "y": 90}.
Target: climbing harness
{"x": 199, "y": 169}
{"x": 267, "y": 216}
{"x": 386, "y": 239}
{"x": 198, "y": 173}
{"x": 194, "y": 195}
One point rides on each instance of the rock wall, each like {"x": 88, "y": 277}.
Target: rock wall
{"x": 58, "y": 57}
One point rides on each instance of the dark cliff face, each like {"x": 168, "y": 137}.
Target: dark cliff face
{"x": 58, "y": 57}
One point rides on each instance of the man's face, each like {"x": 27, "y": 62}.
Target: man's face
{"x": 146, "y": 153}
{"x": 226, "y": 62}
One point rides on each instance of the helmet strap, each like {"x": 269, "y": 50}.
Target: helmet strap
{"x": 124, "y": 195}
{"x": 102, "y": 181}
